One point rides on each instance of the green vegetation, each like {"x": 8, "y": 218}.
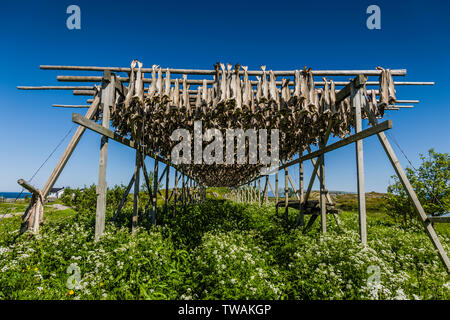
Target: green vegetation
{"x": 219, "y": 250}
{"x": 431, "y": 182}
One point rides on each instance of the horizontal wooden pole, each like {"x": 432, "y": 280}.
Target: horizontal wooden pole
{"x": 209, "y": 82}
{"x": 438, "y": 219}
{"x": 91, "y": 125}
{"x": 55, "y": 87}
{"x": 69, "y": 106}
{"x": 83, "y": 92}
{"x": 28, "y": 186}
{"x": 395, "y": 72}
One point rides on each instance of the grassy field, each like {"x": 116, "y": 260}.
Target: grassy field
{"x": 221, "y": 250}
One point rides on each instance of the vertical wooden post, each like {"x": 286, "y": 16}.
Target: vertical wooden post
{"x": 276, "y": 188}
{"x": 183, "y": 187}
{"x": 155, "y": 191}
{"x": 124, "y": 198}
{"x": 323, "y": 201}
{"x": 259, "y": 192}
{"x": 166, "y": 201}
{"x": 301, "y": 191}
{"x": 266, "y": 191}
{"x": 357, "y": 100}
{"x": 137, "y": 170}
{"x": 175, "y": 192}
{"x": 286, "y": 194}
{"x": 107, "y": 101}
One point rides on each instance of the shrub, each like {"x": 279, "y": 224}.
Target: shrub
{"x": 431, "y": 182}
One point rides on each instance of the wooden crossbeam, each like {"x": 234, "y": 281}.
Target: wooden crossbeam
{"x": 91, "y": 125}
{"x": 395, "y": 72}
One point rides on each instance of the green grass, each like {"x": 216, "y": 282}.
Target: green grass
{"x": 220, "y": 250}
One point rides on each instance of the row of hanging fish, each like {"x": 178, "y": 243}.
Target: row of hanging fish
{"x": 232, "y": 101}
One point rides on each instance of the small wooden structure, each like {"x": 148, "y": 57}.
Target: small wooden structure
{"x": 305, "y": 109}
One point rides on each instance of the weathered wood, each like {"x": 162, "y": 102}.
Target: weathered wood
{"x": 124, "y": 198}
{"x": 70, "y": 106}
{"x": 175, "y": 190}
{"x": 69, "y": 149}
{"x": 166, "y": 200}
{"x": 395, "y": 72}
{"x": 438, "y": 219}
{"x": 293, "y": 186}
{"x": 155, "y": 192}
{"x": 28, "y": 186}
{"x": 286, "y": 194}
{"x": 107, "y": 101}
{"x": 316, "y": 166}
{"x": 410, "y": 192}
{"x": 323, "y": 209}
{"x": 83, "y": 92}
{"x": 300, "y": 217}
{"x": 383, "y": 126}
{"x": 276, "y": 187}
{"x": 82, "y": 121}
{"x": 33, "y": 215}
{"x": 137, "y": 170}
{"x": 259, "y": 192}
{"x": 266, "y": 191}
{"x": 357, "y": 101}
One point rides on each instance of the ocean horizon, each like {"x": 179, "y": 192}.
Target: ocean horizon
{"x": 14, "y": 195}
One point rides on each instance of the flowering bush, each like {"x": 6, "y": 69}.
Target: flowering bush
{"x": 236, "y": 265}
{"x": 219, "y": 250}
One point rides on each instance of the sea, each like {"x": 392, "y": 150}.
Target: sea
{"x": 14, "y": 195}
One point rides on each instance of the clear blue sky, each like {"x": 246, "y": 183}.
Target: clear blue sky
{"x": 280, "y": 34}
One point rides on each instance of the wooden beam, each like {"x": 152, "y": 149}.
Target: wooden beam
{"x": 69, "y": 149}
{"x": 137, "y": 170}
{"x": 395, "y": 72}
{"x": 91, "y": 125}
{"x": 323, "y": 203}
{"x": 69, "y": 106}
{"x": 155, "y": 192}
{"x": 357, "y": 102}
{"x": 383, "y": 126}
{"x": 107, "y": 101}
{"x": 410, "y": 192}
{"x": 26, "y": 185}
{"x": 166, "y": 200}
{"x": 124, "y": 198}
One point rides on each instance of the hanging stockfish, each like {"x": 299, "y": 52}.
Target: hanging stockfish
{"x": 186, "y": 95}
{"x": 223, "y": 84}
{"x": 176, "y": 94}
{"x": 229, "y": 82}
{"x": 159, "y": 85}
{"x": 237, "y": 87}
{"x": 391, "y": 86}
{"x": 130, "y": 92}
{"x": 265, "y": 84}
{"x": 246, "y": 99}
{"x": 258, "y": 89}
{"x": 204, "y": 92}
{"x": 285, "y": 93}
{"x": 325, "y": 105}
{"x": 152, "y": 89}
{"x": 312, "y": 94}
{"x": 297, "y": 85}
{"x": 387, "y": 88}
{"x": 139, "y": 91}
{"x": 304, "y": 90}
{"x": 167, "y": 83}
{"x": 273, "y": 91}
{"x": 333, "y": 97}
